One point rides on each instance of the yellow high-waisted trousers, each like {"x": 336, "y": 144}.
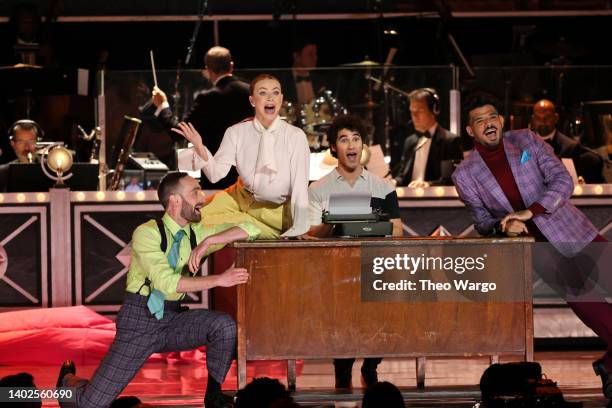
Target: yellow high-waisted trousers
{"x": 235, "y": 205}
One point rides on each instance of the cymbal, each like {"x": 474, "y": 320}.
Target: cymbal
{"x": 364, "y": 63}
{"x": 20, "y": 67}
{"x": 366, "y": 105}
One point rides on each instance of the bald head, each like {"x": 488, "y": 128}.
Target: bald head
{"x": 218, "y": 60}
{"x": 544, "y": 118}
{"x": 544, "y": 105}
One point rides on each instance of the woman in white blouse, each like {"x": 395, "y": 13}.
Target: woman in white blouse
{"x": 272, "y": 160}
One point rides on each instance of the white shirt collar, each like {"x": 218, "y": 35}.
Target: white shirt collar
{"x": 338, "y": 176}
{"x": 273, "y": 126}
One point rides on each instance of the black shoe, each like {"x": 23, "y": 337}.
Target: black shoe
{"x": 606, "y": 379}
{"x": 344, "y": 383}
{"x": 217, "y": 400}
{"x": 68, "y": 367}
{"x": 370, "y": 377}
{"x": 343, "y": 379}
{"x": 343, "y": 373}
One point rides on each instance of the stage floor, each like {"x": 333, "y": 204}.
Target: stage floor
{"x": 450, "y": 382}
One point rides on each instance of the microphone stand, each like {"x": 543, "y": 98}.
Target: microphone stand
{"x": 176, "y": 97}
{"x": 196, "y": 30}
{"x": 381, "y": 82}
{"x": 386, "y": 85}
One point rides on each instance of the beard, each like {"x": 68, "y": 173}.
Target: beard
{"x": 544, "y": 130}
{"x": 189, "y": 213}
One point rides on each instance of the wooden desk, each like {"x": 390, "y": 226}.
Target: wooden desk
{"x": 303, "y": 301}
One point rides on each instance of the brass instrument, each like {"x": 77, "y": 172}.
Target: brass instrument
{"x": 129, "y": 130}
{"x": 95, "y": 136}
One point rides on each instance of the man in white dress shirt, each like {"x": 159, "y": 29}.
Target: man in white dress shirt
{"x": 428, "y": 155}
{"x": 272, "y": 160}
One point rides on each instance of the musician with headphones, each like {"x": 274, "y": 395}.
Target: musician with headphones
{"x": 23, "y": 136}
{"x": 428, "y": 155}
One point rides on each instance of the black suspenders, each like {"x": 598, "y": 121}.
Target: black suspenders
{"x": 164, "y": 245}
{"x": 164, "y": 240}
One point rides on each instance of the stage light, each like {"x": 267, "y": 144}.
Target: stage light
{"x": 598, "y": 189}
{"x": 41, "y": 197}
{"x": 59, "y": 160}
{"x": 120, "y": 195}
{"x": 140, "y": 196}
{"x": 419, "y": 192}
{"x": 100, "y": 195}
{"x": 21, "y": 198}
{"x": 439, "y": 191}
{"x": 1, "y": 198}
{"x": 80, "y": 196}
{"x": 578, "y": 190}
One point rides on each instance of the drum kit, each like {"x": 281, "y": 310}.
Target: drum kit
{"x": 316, "y": 117}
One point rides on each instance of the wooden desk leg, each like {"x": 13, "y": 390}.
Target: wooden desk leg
{"x": 529, "y": 351}
{"x": 291, "y": 375}
{"x": 420, "y": 372}
{"x": 241, "y": 366}
{"x": 241, "y": 354}
{"x": 494, "y": 359}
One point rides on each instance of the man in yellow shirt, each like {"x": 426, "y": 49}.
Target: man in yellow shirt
{"x": 151, "y": 319}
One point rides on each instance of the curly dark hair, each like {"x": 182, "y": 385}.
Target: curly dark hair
{"x": 350, "y": 122}
{"x": 477, "y": 100}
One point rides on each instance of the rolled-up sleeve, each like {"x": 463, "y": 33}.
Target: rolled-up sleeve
{"x": 204, "y": 232}
{"x": 250, "y": 229}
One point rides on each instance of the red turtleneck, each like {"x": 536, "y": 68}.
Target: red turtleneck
{"x": 497, "y": 162}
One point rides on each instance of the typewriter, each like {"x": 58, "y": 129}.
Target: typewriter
{"x": 375, "y": 224}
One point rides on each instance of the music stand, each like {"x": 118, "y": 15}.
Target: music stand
{"x": 29, "y": 177}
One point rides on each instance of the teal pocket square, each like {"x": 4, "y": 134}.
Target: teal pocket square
{"x": 525, "y": 157}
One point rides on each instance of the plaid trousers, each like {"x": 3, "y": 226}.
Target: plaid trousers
{"x": 139, "y": 335}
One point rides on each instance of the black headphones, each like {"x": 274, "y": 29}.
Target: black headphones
{"x": 433, "y": 101}
{"x": 29, "y": 123}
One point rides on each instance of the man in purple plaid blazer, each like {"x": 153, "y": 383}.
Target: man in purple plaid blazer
{"x": 513, "y": 184}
